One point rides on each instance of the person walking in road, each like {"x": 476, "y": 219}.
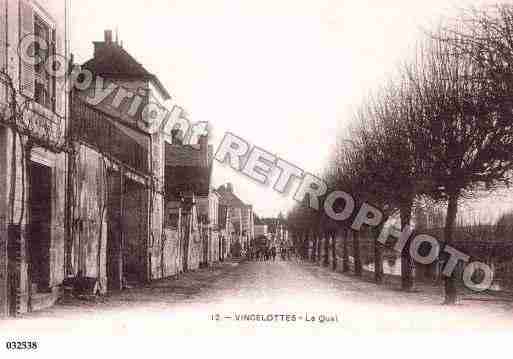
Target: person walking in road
{"x": 273, "y": 253}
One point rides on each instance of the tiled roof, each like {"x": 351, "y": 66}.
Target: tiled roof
{"x": 187, "y": 155}
{"x": 111, "y": 60}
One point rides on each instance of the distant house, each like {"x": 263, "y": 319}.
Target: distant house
{"x": 116, "y": 170}
{"x": 240, "y": 214}
{"x": 260, "y": 227}
{"x": 226, "y": 231}
{"x": 208, "y": 212}
{"x": 188, "y": 170}
{"x": 277, "y": 230}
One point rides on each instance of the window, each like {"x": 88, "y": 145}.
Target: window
{"x": 44, "y": 83}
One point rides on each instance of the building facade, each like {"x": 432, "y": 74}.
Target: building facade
{"x": 208, "y": 209}
{"x": 87, "y": 190}
{"x": 116, "y": 173}
{"x": 240, "y": 215}
{"x": 188, "y": 169}
{"x": 33, "y": 157}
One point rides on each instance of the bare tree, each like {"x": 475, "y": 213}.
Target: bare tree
{"x": 467, "y": 142}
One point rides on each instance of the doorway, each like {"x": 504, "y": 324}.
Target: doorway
{"x": 40, "y": 219}
{"x": 135, "y": 232}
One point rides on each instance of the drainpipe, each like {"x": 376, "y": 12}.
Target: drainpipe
{"x": 69, "y": 180}
{"x": 121, "y": 225}
{"x": 150, "y": 236}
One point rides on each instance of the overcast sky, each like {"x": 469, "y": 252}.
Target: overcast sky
{"x": 281, "y": 74}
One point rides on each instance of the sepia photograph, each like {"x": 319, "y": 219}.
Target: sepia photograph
{"x": 256, "y": 178}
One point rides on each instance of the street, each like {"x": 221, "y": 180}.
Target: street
{"x": 257, "y": 296}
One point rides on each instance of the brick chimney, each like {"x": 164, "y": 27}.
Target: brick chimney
{"x": 108, "y": 36}
{"x": 229, "y": 187}
{"x": 99, "y": 45}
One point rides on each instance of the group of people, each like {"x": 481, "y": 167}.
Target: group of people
{"x": 267, "y": 254}
{"x": 262, "y": 253}
{"x": 287, "y": 254}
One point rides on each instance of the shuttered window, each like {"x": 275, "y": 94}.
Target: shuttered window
{"x": 3, "y": 47}
{"x": 3, "y": 35}
{"x": 35, "y": 81}
{"x": 44, "y": 83}
{"x": 27, "y": 71}
{"x": 59, "y": 82}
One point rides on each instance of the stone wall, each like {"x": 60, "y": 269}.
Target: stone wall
{"x": 195, "y": 242}
{"x": 135, "y": 227}
{"x": 225, "y": 238}
{"x": 55, "y": 255}
{"x": 171, "y": 249}
{"x": 88, "y": 221}
{"x": 157, "y": 210}
{"x": 195, "y": 250}
{"x": 214, "y": 246}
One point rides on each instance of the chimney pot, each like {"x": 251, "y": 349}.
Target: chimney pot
{"x": 108, "y": 36}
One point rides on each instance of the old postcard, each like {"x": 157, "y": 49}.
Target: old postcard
{"x": 249, "y": 178}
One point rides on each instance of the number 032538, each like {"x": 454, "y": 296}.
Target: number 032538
{"x": 21, "y": 345}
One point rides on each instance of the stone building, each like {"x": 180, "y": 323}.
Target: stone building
{"x": 260, "y": 227}
{"x": 226, "y": 231}
{"x": 208, "y": 211}
{"x": 240, "y": 214}
{"x": 33, "y": 157}
{"x": 116, "y": 172}
{"x": 82, "y": 186}
{"x": 188, "y": 217}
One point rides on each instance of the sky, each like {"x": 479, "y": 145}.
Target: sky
{"x": 283, "y": 75}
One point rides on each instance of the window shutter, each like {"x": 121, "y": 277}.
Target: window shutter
{"x": 51, "y": 79}
{"x": 59, "y": 81}
{"x": 3, "y": 46}
{"x": 3, "y": 35}
{"x": 27, "y": 71}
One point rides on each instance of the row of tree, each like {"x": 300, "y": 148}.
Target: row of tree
{"x": 441, "y": 129}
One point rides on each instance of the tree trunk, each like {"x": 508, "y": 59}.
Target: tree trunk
{"x": 450, "y": 282}
{"x": 304, "y": 237}
{"x": 334, "y": 250}
{"x": 407, "y": 264}
{"x": 378, "y": 257}
{"x": 99, "y": 251}
{"x": 319, "y": 249}
{"x": 314, "y": 248}
{"x": 345, "y": 251}
{"x": 356, "y": 253}
{"x": 304, "y": 246}
{"x": 326, "y": 261}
